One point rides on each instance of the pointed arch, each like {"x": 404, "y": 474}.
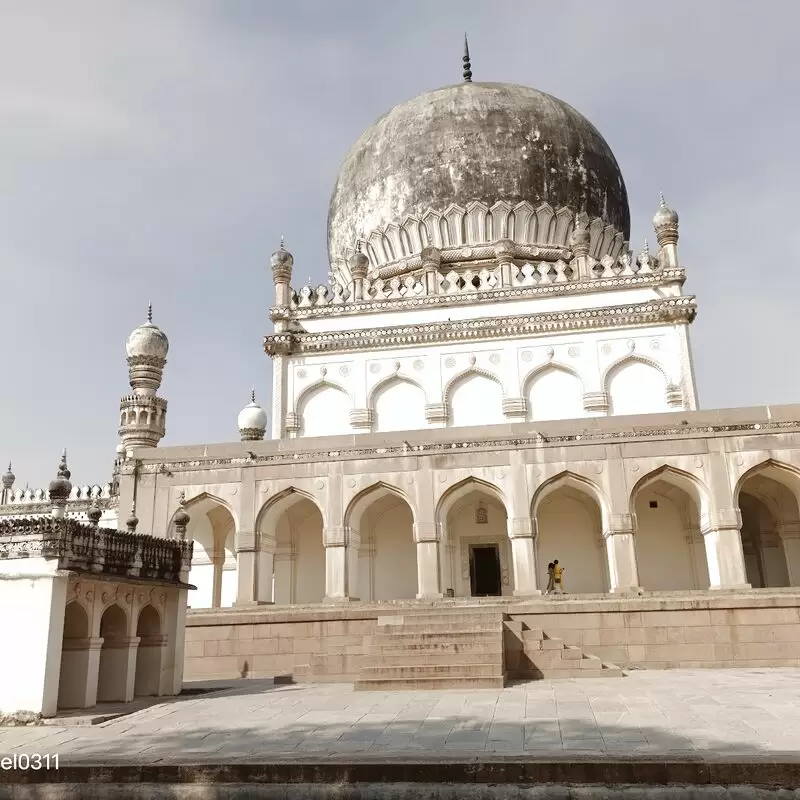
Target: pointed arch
{"x": 365, "y": 498}
{"x": 553, "y": 391}
{"x": 203, "y": 496}
{"x": 473, "y": 370}
{"x": 689, "y": 483}
{"x": 568, "y": 478}
{"x": 396, "y": 377}
{"x": 458, "y": 490}
{"x": 781, "y": 472}
{"x": 631, "y": 358}
{"x": 274, "y": 506}
{"x": 332, "y": 421}
{"x": 322, "y": 383}
{"x": 642, "y": 391}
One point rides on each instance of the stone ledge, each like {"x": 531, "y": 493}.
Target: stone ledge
{"x": 575, "y": 769}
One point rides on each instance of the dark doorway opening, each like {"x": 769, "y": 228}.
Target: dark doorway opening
{"x": 484, "y": 570}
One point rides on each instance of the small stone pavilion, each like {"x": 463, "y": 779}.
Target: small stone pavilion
{"x": 93, "y": 614}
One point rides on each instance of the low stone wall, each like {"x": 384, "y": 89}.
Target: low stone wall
{"x": 753, "y": 629}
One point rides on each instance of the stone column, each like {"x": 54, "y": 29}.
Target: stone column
{"x": 246, "y": 558}
{"x": 341, "y": 564}
{"x": 265, "y": 569}
{"x": 428, "y": 583}
{"x": 92, "y": 671}
{"x": 621, "y": 553}
{"x": 789, "y": 533}
{"x": 523, "y": 556}
{"x": 723, "y": 542}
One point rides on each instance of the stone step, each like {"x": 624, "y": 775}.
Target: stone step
{"x": 459, "y": 616}
{"x": 399, "y": 658}
{"x": 467, "y": 647}
{"x": 428, "y": 637}
{"x": 602, "y": 672}
{"x": 532, "y": 635}
{"x": 415, "y": 684}
{"x": 416, "y": 671}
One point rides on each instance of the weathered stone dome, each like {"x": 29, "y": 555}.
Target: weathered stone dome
{"x": 468, "y": 143}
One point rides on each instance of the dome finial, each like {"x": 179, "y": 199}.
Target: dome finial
{"x": 253, "y": 395}
{"x": 149, "y": 312}
{"x": 467, "y": 62}
{"x": 282, "y": 243}
{"x": 662, "y": 201}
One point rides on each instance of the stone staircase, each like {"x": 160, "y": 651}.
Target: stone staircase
{"x": 459, "y": 648}
{"x": 531, "y": 653}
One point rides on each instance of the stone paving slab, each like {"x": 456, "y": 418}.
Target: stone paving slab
{"x": 689, "y": 715}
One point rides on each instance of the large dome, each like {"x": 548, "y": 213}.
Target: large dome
{"x": 468, "y": 143}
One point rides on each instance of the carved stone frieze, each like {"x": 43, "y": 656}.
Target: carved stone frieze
{"x": 671, "y": 310}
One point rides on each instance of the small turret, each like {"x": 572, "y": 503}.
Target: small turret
{"x": 282, "y": 262}
{"x": 665, "y": 223}
{"x": 8, "y": 484}
{"x": 182, "y": 517}
{"x": 60, "y": 488}
{"x": 252, "y": 421}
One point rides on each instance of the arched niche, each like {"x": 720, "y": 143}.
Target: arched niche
{"x": 324, "y": 410}
{"x": 112, "y": 682}
{"x": 475, "y": 398}
{"x": 75, "y": 652}
{"x": 383, "y": 519}
{"x": 569, "y": 512}
{"x": 147, "y": 681}
{"x": 554, "y": 392}
{"x": 669, "y": 509}
{"x": 636, "y": 386}
{"x": 398, "y": 404}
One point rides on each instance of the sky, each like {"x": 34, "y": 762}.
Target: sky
{"x": 156, "y": 151}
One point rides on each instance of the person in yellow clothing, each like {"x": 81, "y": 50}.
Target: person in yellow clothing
{"x": 558, "y": 578}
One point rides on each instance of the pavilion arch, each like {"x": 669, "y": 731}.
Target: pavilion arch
{"x": 469, "y": 372}
{"x": 75, "y": 653}
{"x": 472, "y": 524}
{"x": 767, "y": 498}
{"x": 670, "y": 510}
{"x": 653, "y": 400}
{"x": 390, "y": 379}
{"x": 563, "y": 401}
{"x": 147, "y": 681}
{"x": 381, "y": 522}
{"x": 212, "y": 526}
{"x": 571, "y": 513}
{"x": 113, "y": 675}
{"x": 322, "y": 422}
{"x": 291, "y": 525}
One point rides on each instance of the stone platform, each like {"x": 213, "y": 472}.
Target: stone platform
{"x": 697, "y": 718}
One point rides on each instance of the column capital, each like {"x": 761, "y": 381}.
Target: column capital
{"x": 521, "y": 528}
{"x": 619, "y": 524}
{"x": 340, "y": 536}
{"x": 245, "y": 541}
{"x": 789, "y": 529}
{"x": 426, "y": 532}
{"x": 722, "y": 519}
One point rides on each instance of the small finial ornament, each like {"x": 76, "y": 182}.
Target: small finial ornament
{"x": 94, "y": 513}
{"x": 150, "y": 312}
{"x": 646, "y": 248}
{"x": 662, "y": 201}
{"x": 8, "y": 478}
{"x": 132, "y": 520}
{"x": 467, "y": 62}
{"x": 60, "y": 488}
{"x": 253, "y": 395}
{"x": 283, "y": 245}
{"x": 181, "y": 518}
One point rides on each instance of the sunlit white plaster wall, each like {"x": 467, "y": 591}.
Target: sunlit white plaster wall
{"x": 387, "y": 533}
{"x": 325, "y": 411}
{"x": 568, "y": 525}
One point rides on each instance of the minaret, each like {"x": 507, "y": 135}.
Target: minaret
{"x": 282, "y": 262}
{"x": 142, "y": 413}
{"x": 8, "y": 485}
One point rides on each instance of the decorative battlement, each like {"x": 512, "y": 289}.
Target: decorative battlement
{"x": 504, "y": 280}
{"x": 97, "y": 551}
{"x": 78, "y": 494}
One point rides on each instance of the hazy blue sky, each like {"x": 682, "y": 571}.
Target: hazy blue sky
{"x": 157, "y": 150}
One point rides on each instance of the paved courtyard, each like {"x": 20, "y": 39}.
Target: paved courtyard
{"x": 681, "y": 713}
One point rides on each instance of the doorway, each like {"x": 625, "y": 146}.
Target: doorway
{"x": 484, "y": 570}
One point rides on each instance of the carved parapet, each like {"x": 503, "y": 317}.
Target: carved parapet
{"x": 88, "y": 549}
{"x": 280, "y": 344}
{"x": 596, "y": 401}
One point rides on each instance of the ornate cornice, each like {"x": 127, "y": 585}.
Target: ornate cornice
{"x": 679, "y": 430}
{"x": 374, "y": 306}
{"x": 670, "y": 310}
